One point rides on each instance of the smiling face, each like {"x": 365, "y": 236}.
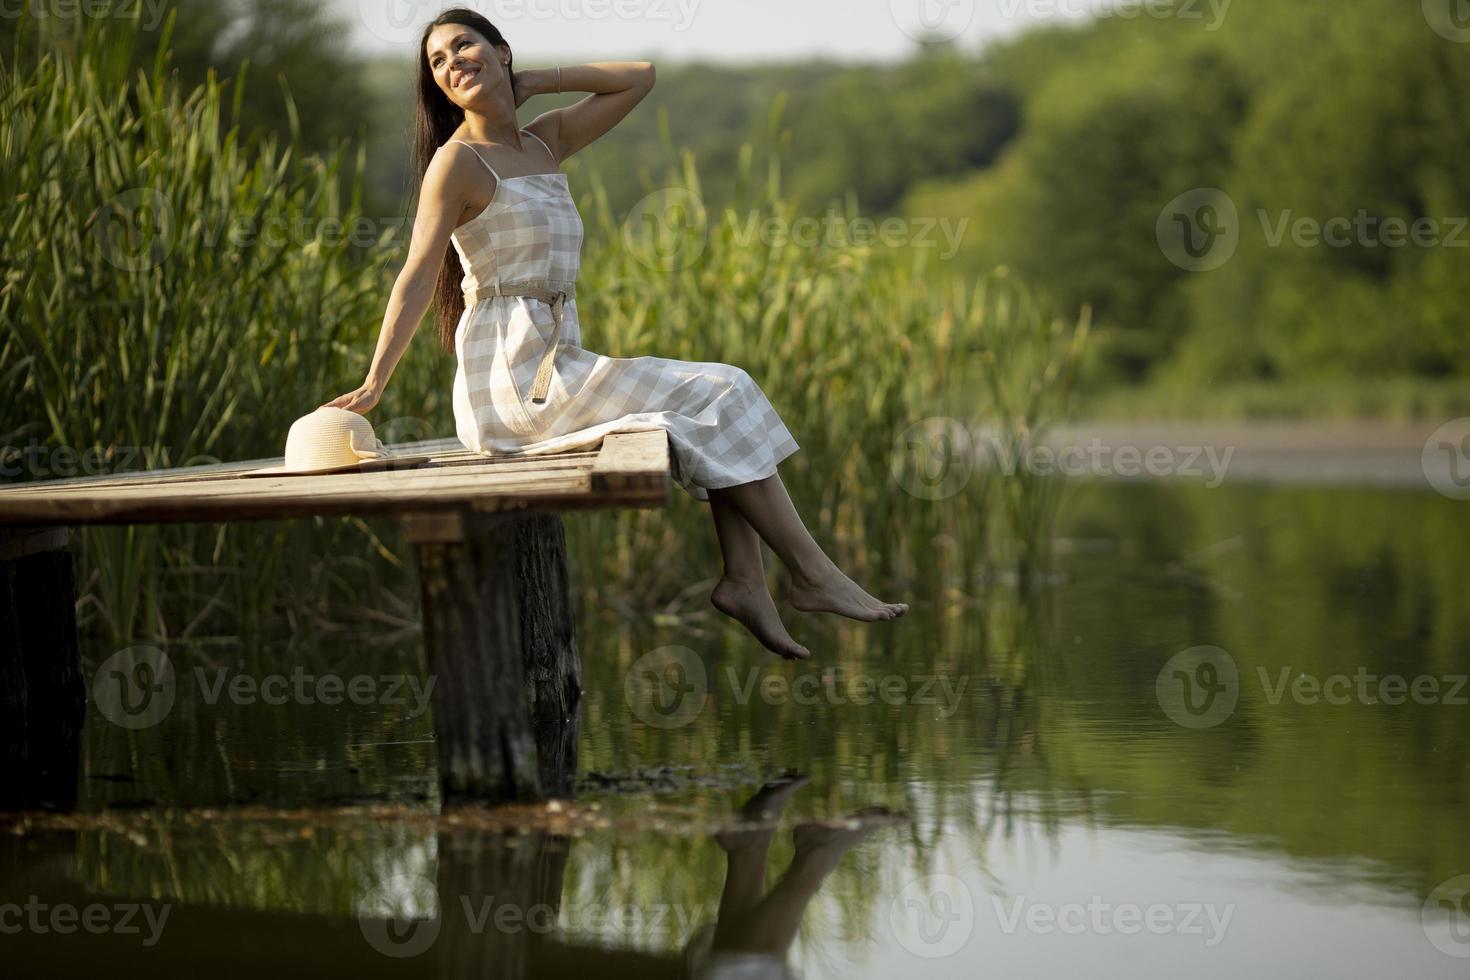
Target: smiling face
{"x": 466, "y": 67}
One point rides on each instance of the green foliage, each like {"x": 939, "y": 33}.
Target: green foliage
{"x": 1314, "y": 110}
{"x": 133, "y": 319}
{"x": 286, "y": 81}
{"x": 874, "y": 132}
{"x": 169, "y": 298}
{"x": 1379, "y": 140}
{"x": 852, "y": 343}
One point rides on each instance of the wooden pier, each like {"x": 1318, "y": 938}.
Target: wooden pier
{"x": 492, "y": 562}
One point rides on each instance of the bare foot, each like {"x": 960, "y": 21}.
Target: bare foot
{"x": 832, "y": 591}
{"x": 766, "y": 805}
{"x": 833, "y": 838}
{"x": 771, "y": 798}
{"x": 751, "y": 606}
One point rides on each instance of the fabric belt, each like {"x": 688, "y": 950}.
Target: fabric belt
{"x": 553, "y": 294}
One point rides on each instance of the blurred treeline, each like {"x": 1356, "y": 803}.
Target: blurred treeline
{"x": 1316, "y": 109}
{"x": 292, "y": 57}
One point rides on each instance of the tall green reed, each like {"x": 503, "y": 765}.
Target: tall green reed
{"x": 174, "y": 292}
{"x": 867, "y": 353}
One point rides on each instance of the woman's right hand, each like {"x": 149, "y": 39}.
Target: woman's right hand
{"x": 360, "y": 401}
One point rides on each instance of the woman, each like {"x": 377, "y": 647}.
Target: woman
{"x": 524, "y": 383}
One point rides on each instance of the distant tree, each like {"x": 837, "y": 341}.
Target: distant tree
{"x": 278, "y": 45}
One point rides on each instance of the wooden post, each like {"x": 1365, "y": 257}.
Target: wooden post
{"x": 549, "y": 651}
{"x": 42, "y": 695}
{"x": 501, "y": 652}
{"x": 499, "y": 902}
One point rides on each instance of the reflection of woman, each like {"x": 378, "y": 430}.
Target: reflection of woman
{"x": 524, "y": 383}
{"x": 755, "y": 928}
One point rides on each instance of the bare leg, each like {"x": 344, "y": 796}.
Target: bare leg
{"x": 745, "y": 855}
{"x": 817, "y": 584}
{"x": 741, "y": 594}
{"x": 771, "y": 926}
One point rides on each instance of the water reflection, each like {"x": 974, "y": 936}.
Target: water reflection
{"x": 1053, "y": 801}
{"x": 409, "y": 894}
{"x": 400, "y": 892}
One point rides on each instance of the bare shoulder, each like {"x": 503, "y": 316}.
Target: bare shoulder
{"x": 452, "y": 177}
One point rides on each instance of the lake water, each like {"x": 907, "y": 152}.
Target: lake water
{"x": 1226, "y": 733}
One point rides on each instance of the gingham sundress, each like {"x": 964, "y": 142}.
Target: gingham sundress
{"x": 722, "y": 428}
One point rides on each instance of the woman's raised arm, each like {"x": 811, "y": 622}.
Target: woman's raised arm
{"x": 617, "y": 87}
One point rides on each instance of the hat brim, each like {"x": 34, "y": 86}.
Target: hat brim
{"x": 365, "y": 466}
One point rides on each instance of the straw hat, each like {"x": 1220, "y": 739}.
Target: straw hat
{"x": 334, "y": 440}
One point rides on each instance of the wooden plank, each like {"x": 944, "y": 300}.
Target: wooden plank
{"x": 629, "y": 470}
{"x": 405, "y": 487}
{"x": 433, "y": 527}
{"x": 568, "y": 498}
{"x": 404, "y": 492}
{"x": 228, "y": 471}
{"x": 158, "y": 485}
{"x": 633, "y": 461}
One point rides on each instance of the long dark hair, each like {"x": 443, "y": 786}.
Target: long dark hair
{"x": 435, "y": 119}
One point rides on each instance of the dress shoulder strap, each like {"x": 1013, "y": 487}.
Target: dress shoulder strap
{"x": 482, "y": 159}
{"x": 545, "y": 144}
